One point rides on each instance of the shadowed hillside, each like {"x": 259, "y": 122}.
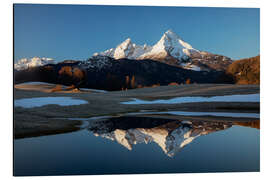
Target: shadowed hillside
{"x": 245, "y": 71}
{"x": 108, "y": 74}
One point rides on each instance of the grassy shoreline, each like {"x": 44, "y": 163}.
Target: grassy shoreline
{"x": 45, "y": 120}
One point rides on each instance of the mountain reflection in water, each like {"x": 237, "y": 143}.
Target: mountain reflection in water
{"x": 170, "y": 135}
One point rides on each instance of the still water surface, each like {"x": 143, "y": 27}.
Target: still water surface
{"x": 123, "y": 145}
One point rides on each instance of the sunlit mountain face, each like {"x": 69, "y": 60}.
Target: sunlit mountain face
{"x": 170, "y": 49}
{"x": 170, "y": 135}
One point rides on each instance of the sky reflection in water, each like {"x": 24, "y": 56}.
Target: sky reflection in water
{"x": 142, "y": 145}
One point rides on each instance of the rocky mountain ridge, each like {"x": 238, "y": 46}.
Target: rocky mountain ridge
{"x": 172, "y": 50}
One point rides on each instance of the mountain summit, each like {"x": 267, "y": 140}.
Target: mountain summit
{"x": 126, "y": 49}
{"x": 25, "y": 63}
{"x": 170, "y": 44}
{"x": 170, "y": 49}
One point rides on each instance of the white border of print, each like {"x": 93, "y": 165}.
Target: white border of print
{"x": 6, "y": 84}
{"x": 205, "y": 3}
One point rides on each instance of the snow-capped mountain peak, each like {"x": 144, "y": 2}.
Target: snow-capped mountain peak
{"x": 126, "y": 43}
{"x": 124, "y": 49}
{"x": 172, "y": 39}
{"x": 25, "y": 63}
{"x": 170, "y": 49}
{"x": 170, "y": 44}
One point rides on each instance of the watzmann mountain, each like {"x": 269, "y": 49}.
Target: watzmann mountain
{"x": 172, "y": 50}
{"x": 170, "y": 61}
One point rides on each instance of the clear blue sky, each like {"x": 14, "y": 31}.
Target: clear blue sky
{"x": 77, "y": 31}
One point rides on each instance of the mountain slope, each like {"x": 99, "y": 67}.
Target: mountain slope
{"x": 100, "y": 72}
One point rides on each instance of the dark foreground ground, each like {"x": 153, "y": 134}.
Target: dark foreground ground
{"x": 52, "y": 119}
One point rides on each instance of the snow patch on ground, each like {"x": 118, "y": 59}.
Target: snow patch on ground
{"x": 179, "y": 100}
{"x": 94, "y": 90}
{"x": 42, "y": 101}
{"x": 35, "y": 83}
{"x": 186, "y": 113}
